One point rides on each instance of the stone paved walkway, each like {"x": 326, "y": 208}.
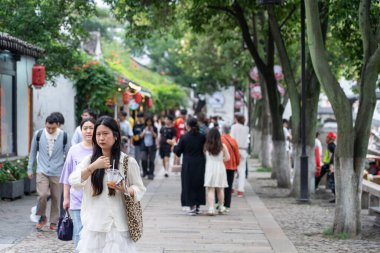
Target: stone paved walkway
{"x": 248, "y": 228}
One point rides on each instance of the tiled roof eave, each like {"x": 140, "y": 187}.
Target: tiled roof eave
{"x": 18, "y": 46}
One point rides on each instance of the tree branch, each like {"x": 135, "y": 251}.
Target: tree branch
{"x": 270, "y": 47}
{"x": 247, "y": 37}
{"x": 335, "y": 93}
{"x": 288, "y": 17}
{"x": 365, "y": 29}
{"x": 367, "y": 102}
{"x": 222, "y": 8}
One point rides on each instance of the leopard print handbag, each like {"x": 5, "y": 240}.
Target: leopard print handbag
{"x": 134, "y": 211}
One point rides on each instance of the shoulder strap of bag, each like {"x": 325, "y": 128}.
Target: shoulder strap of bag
{"x": 64, "y": 140}
{"x": 125, "y": 165}
{"x": 38, "y": 139}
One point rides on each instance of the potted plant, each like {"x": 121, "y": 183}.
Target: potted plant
{"x": 12, "y": 174}
{"x": 29, "y": 184}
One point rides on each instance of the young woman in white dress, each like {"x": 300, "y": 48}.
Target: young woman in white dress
{"x": 215, "y": 175}
{"x": 103, "y": 213}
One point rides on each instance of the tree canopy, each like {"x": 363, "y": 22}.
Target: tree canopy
{"x": 56, "y": 26}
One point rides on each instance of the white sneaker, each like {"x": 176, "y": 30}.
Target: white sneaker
{"x": 33, "y": 217}
{"x": 222, "y": 210}
{"x": 211, "y": 211}
{"x": 186, "y": 208}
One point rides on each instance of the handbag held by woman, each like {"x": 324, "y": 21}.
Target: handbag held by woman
{"x": 65, "y": 227}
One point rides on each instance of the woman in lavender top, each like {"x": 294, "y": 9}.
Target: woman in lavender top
{"x": 73, "y": 197}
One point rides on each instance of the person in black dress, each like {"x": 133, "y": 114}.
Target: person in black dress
{"x": 191, "y": 147}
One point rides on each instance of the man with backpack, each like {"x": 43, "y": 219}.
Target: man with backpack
{"x": 50, "y": 143}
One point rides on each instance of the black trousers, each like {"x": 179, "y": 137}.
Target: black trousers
{"x": 228, "y": 190}
{"x": 324, "y": 169}
{"x": 148, "y": 155}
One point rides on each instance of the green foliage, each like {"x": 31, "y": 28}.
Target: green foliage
{"x": 95, "y": 84}
{"x": 167, "y": 97}
{"x": 55, "y": 26}
{"x": 13, "y": 170}
{"x": 263, "y": 169}
{"x": 328, "y": 232}
{"x": 193, "y": 42}
{"x": 166, "y": 94}
{"x": 103, "y": 22}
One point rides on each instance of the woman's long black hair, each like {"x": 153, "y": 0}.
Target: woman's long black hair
{"x": 98, "y": 175}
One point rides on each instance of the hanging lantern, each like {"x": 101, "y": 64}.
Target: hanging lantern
{"x": 121, "y": 80}
{"x": 150, "y": 102}
{"x": 138, "y": 97}
{"x": 38, "y": 76}
{"x": 125, "y": 97}
{"x": 109, "y": 101}
{"x": 256, "y": 91}
{"x": 278, "y": 72}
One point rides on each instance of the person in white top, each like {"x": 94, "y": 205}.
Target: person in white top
{"x": 103, "y": 213}
{"x": 77, "y": 136}
{"x": 215, "y": 175}
{"x": 240, "y": 133}
{"x": 287, "y": 134}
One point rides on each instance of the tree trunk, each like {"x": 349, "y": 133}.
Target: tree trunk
{"x": 352, "y": 141}
{"x": 266, "y": 152}
{"x": 256, "y": 140}
{"x": 266, "y": 142}
{"x": 348, "y": 196}
{"x": 256, "y": 129}
{"x": 282, "y": 162}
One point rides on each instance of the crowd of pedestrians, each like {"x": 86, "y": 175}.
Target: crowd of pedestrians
{"x": 74, "y": 177}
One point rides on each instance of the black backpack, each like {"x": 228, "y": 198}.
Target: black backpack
{"x": 39, "y": 136}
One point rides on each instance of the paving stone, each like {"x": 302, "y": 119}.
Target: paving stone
{"x": 168, "y": 229}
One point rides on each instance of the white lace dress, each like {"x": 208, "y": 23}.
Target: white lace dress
{"x": 106, "y": 242}
{"x": 215, "y": 175}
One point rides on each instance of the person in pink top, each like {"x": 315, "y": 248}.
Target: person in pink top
{"x": 72, "y": 198}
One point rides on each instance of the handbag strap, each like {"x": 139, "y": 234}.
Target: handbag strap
{"x": 67, "y": 213}
{"x": 125, "y": 165}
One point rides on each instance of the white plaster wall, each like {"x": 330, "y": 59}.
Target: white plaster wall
{"x": 23, "y": 79}
{"x": 55, "y": 99}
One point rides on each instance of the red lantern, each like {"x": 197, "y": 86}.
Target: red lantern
{"x": 150, "y": 102}
{"x": 109, "y": 102}
{"x": 38, "y": 76}
{"x": 125, "y": 97}
{"x": 138, "y": 97}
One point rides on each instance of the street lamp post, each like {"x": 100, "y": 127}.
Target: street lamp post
{"x": 304, "y": 191}
{"x": 304, "y": 195}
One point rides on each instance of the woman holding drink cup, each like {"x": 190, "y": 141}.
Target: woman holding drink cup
{"x": 104, "y": 216}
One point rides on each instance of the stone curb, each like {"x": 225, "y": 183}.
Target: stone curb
{"x": 276, "y": 236}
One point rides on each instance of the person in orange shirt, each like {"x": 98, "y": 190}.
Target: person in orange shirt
{"x": 231, "y": 165}
{"x": 179, "y": 125}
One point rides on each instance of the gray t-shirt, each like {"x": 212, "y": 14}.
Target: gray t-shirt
{"x": 148, "y": 139}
